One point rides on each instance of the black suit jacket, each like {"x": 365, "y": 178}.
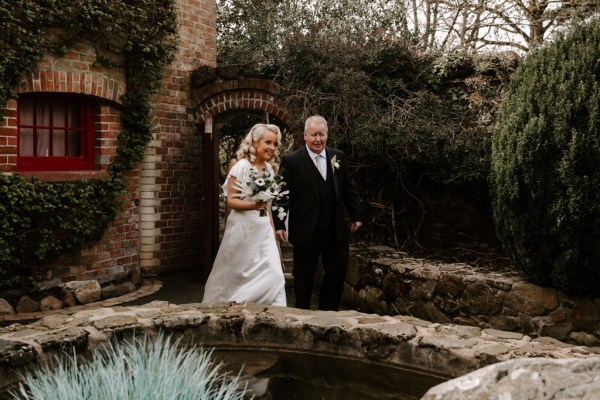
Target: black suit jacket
{"x": 297, "y": 170}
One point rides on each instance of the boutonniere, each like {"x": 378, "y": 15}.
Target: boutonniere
{"x": 335, "y": 164}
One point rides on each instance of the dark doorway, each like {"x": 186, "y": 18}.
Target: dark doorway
{"x": 220, "y": 146}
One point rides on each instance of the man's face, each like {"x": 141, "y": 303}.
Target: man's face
{"x": 316, "y": 137}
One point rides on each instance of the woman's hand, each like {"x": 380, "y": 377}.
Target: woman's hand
{"x": 261, "y": 205}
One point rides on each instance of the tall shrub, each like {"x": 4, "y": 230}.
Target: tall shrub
{"x": 416, "y": 126}
{"x": 545, "y": 175}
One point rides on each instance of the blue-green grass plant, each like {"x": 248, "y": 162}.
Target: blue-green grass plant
{"x": 145, "y": 368}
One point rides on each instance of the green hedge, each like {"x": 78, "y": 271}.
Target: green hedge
{"x": 545, "y": 177}
{"x": 42, "y": 221}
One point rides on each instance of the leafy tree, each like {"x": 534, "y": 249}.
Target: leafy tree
{"x": 546, "y": 163}
{"x": 407, "y": 120}
{"x": 251, "y": 31}
{"x": 260, "y": 27}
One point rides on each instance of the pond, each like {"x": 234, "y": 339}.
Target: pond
{"x": 284, "y": 375}
{"x": 301, "y": 376}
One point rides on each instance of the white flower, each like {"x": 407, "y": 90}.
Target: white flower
{"x": 262, "y": 186}
{"x": 244, "y": 191}
{"x": 334, "y": 163}
{"x": 281, "y": 214}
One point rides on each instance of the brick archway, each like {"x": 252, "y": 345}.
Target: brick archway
{"x": 212, "y": 102}
{"x": 78, "y": 82}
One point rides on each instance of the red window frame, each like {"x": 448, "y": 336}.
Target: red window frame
{"x": 72, "y": 105}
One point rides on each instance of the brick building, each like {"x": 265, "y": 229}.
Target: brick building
{"x": 159, "y": 226}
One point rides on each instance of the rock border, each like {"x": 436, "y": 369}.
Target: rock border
{"x": 148, "y": 287}
{"x": 442, "y": 350}
{"x": 385, "y": 281}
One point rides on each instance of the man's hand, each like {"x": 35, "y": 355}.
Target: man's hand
{"x": 281, "y": 236}
{"x": 355, "y": 225}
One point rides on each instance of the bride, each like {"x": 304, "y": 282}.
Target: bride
{"x": 248, "y": 265}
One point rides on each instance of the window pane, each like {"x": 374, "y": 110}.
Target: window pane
{"x": 74, "y": 115}
{"x": 26, "y": 112}
{"x": 42, "y": 148}
{"x": 43, "y": 113}
{"x": 58, "y": 114}
{"x": 74, "y": 144}
{"x": 56, "y": 132}
{"x": 58, "y": 143}
{"x": 26, "y": 142}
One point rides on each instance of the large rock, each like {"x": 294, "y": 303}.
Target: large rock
{"x": 50, "y": 303}
{"x": 84, "y": 291}
{"x": 125, "y": 287}
{"x": 27, "y": 305}
{"x": 585, "y": 315}
{"x": 6, "y": 308}
{"x": 109, "y": 291}
{"x": 70, "y": 300}
{"x": 532, "y": 299}
{"x": 136, "y": 278}
{"x": 524, "y": 379}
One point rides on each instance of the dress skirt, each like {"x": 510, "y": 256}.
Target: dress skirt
{"x": 248, "y": 265}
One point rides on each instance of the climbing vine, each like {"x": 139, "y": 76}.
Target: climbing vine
{"x": 42, "y": 221}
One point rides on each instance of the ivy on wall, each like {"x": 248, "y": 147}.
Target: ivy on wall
{"x": 40, "y": 222}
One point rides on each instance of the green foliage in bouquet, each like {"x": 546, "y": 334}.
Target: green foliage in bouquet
{"x": 545, "y": 175}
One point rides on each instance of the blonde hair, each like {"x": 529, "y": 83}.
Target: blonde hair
{"x": 246, "y": 150}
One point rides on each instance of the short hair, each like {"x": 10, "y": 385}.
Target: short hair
{"x": 246, "y": 150}
{"x": 315, "y": 120}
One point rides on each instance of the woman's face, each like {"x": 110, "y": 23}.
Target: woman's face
{"x": 266, "y": 146}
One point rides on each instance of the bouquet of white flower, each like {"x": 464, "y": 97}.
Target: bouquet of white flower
{"x": 264, "y": 186}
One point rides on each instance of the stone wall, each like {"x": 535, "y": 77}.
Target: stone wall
{"x": 443, "y": 351}
{"x": 384, "y": 281}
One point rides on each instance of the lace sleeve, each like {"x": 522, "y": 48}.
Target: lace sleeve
{"x": 239, "y": 171}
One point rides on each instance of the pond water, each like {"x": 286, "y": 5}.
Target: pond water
{"x": 285, "y": 375}
{"x": 300, "y": 376}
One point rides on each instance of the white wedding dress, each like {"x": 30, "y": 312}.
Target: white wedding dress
{"x": 248, "y": 266}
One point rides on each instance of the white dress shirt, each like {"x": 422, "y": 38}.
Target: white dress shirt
{"x": 322, "y": 160}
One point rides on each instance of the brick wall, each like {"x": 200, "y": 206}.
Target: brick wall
{"x": 170, "y": 185}
{"x": 159, "y": 225}
{"x": 8, "y": 137}
{"x": 112, "y": 258}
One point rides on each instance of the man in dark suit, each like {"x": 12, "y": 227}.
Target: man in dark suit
{"x": 320, "y": 193}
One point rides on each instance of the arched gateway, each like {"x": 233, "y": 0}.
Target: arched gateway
{"x": 216, "y": 101}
